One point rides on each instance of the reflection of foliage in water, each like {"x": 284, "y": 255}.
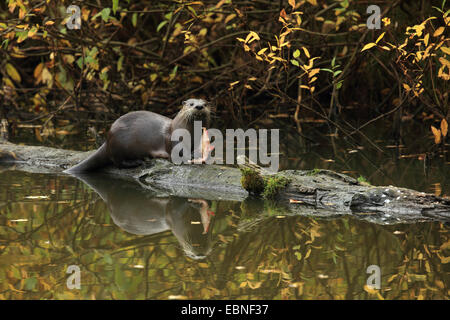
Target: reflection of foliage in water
{"x": 279, "y": 257}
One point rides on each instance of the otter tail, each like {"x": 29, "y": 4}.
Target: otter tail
{"x": 96, "y": 160}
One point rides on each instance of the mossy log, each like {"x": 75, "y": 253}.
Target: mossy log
{"x": 321, "y": 193}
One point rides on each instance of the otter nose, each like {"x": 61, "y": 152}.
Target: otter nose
{"x": 199, "y": 107}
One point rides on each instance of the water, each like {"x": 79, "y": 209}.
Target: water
{"x": 130, "y": 245}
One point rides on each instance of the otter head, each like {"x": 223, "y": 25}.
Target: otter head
{"x": 194, "y": 110}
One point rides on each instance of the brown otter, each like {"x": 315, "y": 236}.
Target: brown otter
{"x": 140, "y": 134}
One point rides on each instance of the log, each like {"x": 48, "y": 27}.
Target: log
{"x": 320, "y": 193}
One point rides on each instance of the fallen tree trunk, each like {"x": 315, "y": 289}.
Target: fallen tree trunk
{"x": 315, "y": 193}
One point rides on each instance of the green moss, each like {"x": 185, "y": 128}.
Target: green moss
{"x": 314, "y": 172}
{"x": 274, "y": 185}
{"x": 252, "y": 181}
{"x": 363, "y": 180}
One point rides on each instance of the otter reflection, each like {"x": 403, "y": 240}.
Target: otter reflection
{"x": 136, "y": 210}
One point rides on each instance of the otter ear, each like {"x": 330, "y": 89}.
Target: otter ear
{"x": 184, "y": 103}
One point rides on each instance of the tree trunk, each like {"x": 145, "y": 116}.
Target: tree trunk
{"x": 320, "y": 193}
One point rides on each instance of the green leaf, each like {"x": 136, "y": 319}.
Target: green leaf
{"x": 12, "y": 72}
{"x": 173, "y": 73}
{"x": 80, "y": 62}
{"x": 192, "y": 10}
{"x": 162, "y": 24}
{"x": 328, "y": 70}
{"x": 105, "y": 14}
{"x": 336, "y": 73}
{"x": 168, "y": 16}
{"x": 295, "y": 62}
{"x": 30, "y": 283}
{"x": 134, "y": 19}
{"x": 21, "y": 36}
{"x": 120, "y": 63}
{"x": 296, "y": 53}
{"x": 5, "y": 44}
{"x": 115, "y": 5}
{"x": 107, "y": 258}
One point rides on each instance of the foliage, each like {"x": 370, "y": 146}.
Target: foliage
{"x": 422, "y": 65}
{"x": 298, "y": 58}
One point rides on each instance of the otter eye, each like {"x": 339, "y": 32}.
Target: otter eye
{"x": 191, "y": 104}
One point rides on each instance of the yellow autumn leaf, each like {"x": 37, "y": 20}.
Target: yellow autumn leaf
{"x": 438, "y": 32}
{"x": 437, "y": 134}
{"x": 368, "y": 46}
{"x": 444, "y": 62}
{"x": 292, "y": 3}
{"x": 445, "y": 50}
{"x": 260, "y": 52}
{"x": 380, "y": 37}
{"x": 230, "y": 17}
{"x": 444, "y": 127}
{"x": 254, "y": 285}
{"x": 370, "y": 289}
{"x": 22, "y": 13}
{"x": 47, "y": 76}
{"x": 313, "y": 72}
{"x": 252, "y": 36}
{"x": 306, "y": 52}
{"x": 12, "y": 72}
{"x": 32, "y": 32}
{"x": 426, "y": 38}
{"x": 38, "y": 70}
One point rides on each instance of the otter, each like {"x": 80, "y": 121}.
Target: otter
{"x": 141, "y": 134}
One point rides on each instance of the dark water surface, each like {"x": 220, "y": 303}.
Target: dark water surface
{"x": 130, "y": 245}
